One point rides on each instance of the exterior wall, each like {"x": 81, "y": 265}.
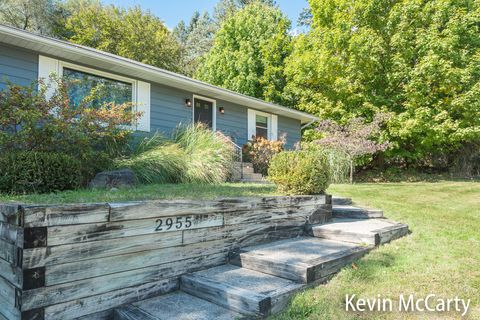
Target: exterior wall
{"x": 168, "y": 108}
{"x": 233, "y": 122}
{"x": 69, "y": 261}
{"x": 18, "y": 65}
{"x": 290, "y": 127}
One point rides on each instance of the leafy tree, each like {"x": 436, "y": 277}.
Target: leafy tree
{"x": 196, "y": 40}
{"x": 249, "y": 52}
{"x": 419, "y": 60}
{"x": 33, "y": 15}
{"x": 131, "y": 33}
{"x": 355, "y": 139}
{"x": 225, "y": 8}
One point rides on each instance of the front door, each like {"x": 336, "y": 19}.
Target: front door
{"x": 203, "y": 112}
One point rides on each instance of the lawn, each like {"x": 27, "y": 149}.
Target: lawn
{"x": 147, "y": 192}
{"x": 441, "y": 256}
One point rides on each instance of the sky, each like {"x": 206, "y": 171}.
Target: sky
{"x": 173, "y": 11}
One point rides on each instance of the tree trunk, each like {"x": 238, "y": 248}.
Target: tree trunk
{"x": 351, "y": 171}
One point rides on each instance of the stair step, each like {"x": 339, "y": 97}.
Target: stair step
{"x": 252, "y": 176}
{"x": 239, "y": 289}
{"x": 304, "y": 259}
{"x": 352, "y": 212}
{"x": 337, "y": 200}
{"x": 369, "y": 231}
{"x": 177, "y": 305}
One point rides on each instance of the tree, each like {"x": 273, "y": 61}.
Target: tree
{"x": 196, "y": 40}
{"x": 419, "y": 60}
{"x": 225, "y": 8}
{"x": 131, "y": 33}
{"x": 249, "y": 52}
{"x": 355, "y": 139}
{"x": 38, "y": 16}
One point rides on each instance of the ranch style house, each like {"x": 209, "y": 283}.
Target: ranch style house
{"x": 165, "y": 99}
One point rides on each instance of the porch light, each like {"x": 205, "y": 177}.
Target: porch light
{"x": 188, "y": 102}
{"x": 221, "y": 110}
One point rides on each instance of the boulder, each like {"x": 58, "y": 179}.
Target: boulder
{"x": 114, "y": 179}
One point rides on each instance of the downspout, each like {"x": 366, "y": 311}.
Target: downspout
{"x": 309, "y": 123}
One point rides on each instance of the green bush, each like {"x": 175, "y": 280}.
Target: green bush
{"x": 209, "y": 156}
{"x": 300, "y": 172}
{"x": 196, "y": 155}
{"x": 93, "y": 135}
{"x": 161, "y": 164}
{"x": 39, "y": 172}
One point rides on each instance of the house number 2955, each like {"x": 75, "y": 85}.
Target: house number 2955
{"x": 183, "y": 222}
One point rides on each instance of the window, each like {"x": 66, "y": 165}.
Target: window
{"x": 110, "y": 87}
{"x": 261, "y": 126}
{"x": 80, "y": 85}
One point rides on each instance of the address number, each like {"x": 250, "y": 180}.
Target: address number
{"x": 166, "y": 224}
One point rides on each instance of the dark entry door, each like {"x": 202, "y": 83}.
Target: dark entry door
{"x": 203, "y": 112}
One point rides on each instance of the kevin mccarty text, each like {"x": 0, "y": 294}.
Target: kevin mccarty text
{"x": 407, "y": 303}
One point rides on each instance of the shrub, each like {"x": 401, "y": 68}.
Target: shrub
{"x": 209, "y": 156}
{"x": 260, "y": 151}
{"x": 39, "y": 172}
{"x": 161, "y": 164}
{"x": 196, "y": 155}
{"x": 300, "y": 172}
{"x": 30, "y": 122}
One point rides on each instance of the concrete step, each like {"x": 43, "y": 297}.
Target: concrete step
{"x": 252, "y": 176}
{"x": 368, "y": 231}
{"x": 177, "y": 305}
{"x": 338, "y": 200}
{"x": 304, "y": 259}
{"x": 352, "y": 212}
{"x": 239, "y": 289}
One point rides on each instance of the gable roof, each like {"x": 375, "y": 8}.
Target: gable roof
{"x": 95, "y": 58}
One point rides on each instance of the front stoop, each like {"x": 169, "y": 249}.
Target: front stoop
{"x": 243, "y": 172}
{"x": 260, "y": 280}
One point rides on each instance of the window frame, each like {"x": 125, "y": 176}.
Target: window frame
{"x": 99, "y": 73}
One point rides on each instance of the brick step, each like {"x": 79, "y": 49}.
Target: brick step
{"x": 369, "y": 231}
{"x": 352, "y": 212}
{"x": 177, "y": 305}
{"x": 305, "y": 259}
{"x": 239, "y": 289}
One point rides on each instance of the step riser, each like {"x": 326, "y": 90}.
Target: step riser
{"x": 232, "y": 298}
{"x": 330, "y": 268}
{"x": 341, "y": 201}
{"x": 356, "y": 214}
{"x": 368, "y": 239}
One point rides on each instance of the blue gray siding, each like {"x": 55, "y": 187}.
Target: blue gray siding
{"x": 168, "y": 108}
{"x": 292, "y": 129}
{"x": 18, "y": 65}
{"x": 233, "y": 122}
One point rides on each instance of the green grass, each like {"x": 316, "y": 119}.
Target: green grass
{"x": 147, "y": 192}
{"x": 441, "y": 256}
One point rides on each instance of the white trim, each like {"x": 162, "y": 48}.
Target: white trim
{"x": 214, "y": 109}
{"x": 97, "y": 58}
{"x": 272, "y": 124}
{"x": 48, "y": 67}
{"x": 143, "y": 105}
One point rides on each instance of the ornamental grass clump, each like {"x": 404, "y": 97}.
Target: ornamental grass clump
{"x": 209, "y": 156}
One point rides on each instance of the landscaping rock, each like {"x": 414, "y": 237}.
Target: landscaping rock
{"x": 114, "y": 179}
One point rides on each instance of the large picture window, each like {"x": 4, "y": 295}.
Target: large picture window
{"x": 82, "y": 84}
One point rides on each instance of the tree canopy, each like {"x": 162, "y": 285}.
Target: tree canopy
{"x": 132, "y": 33}
{"x": 249, "y": 52}
{"x": 419, "y": 60}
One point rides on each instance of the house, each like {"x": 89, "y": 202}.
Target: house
{"x": 164, "y": 98}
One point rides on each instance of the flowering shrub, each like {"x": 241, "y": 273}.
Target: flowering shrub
{"x": 30, "y": 122}
{"x": 260, "y": 151}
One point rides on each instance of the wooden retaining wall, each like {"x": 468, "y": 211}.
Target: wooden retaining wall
{"x": 82, "y": 260}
